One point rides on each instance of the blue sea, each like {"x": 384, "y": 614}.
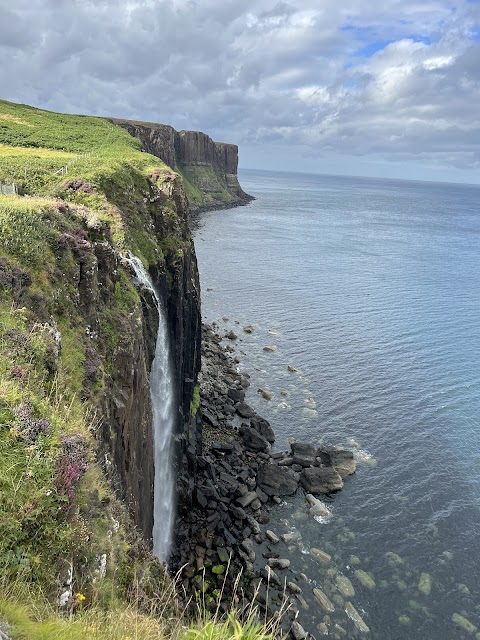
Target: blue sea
{"x": 370, "y": 288}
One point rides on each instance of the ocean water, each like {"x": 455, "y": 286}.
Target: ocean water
{"x": 371, "y": 289}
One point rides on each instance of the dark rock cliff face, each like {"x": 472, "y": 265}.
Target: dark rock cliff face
{"x": 209, "y": 168}
{"x": 124, "y": 340}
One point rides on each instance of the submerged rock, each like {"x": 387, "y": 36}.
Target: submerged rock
{"x": 462, "y": 622}
{"x": 425, "y": 584}
{"x": 323, "y": 600}
{"x": 267, "y": 395}
{"x": 353, "y": 614}
{"x": 320, "y": 555}
{"x": 270, "y": 348}
{"x": 363, "y": 577}
{"x": 344, "y": 586}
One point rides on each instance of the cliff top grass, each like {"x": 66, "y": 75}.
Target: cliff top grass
{"x": 83, "y": 160}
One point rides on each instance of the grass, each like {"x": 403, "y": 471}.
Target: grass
{"x": 56, "y": 359}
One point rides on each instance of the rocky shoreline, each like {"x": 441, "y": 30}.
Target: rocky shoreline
{"x": 224, "y": 544}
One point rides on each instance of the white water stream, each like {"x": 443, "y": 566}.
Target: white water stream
{"x": 163, "y": 408}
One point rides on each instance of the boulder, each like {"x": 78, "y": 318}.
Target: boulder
{"x": 276, "y": 481}
{"x": 237, "y": 395}
{"x": 320, "y": 480}
{"x": 245, "y": 411}
{"x": 303, "y": 454}
{"x": 341, "y": 459}
{"x": 252, "y": 440}
{"x": 263, "y": 427}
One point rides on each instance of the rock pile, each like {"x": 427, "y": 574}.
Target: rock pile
{"x": 238, "y": 480}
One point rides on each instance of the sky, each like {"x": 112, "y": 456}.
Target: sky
{"x": 387, "y": 89}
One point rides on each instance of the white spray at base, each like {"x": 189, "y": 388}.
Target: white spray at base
{"x": 162, "y": 394}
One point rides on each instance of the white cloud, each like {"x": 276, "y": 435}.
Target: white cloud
{"x": 399, "y": 79}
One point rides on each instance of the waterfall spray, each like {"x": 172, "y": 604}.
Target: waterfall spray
{"x": 162, "y": 394}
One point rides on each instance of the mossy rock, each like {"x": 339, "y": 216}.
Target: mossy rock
{"x": 218, "y": 569}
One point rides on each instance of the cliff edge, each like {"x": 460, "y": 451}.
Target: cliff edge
{"x": 209, "y": 169}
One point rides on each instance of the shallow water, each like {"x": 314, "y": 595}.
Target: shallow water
{"x": 370, "y": 288}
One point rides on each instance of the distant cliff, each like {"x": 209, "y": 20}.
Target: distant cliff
{"x": 208, "y": 168}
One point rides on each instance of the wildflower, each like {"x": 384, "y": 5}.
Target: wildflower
{"x": 80, "y": 597}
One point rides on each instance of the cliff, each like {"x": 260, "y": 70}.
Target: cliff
{"x": 77, "y": 342}
{"x": 209, "y": 169}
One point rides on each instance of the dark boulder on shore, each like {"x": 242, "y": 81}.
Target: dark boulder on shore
{"x": 320, "y": 480}
{"x": 245, "y": 410}
{"x": 253, "y": 440}
{"x": 341, "y": 459}
{"x": 276, "y": 481}
{"x": 303, "y": 454}
{"x": 263, "y": 427}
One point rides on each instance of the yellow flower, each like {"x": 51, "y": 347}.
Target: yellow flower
{"x": 80, "y": 597}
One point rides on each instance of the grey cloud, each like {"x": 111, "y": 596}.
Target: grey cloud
{"x": 259, "y": 71}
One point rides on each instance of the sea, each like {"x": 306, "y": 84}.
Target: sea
{"x": 370, "y": 290}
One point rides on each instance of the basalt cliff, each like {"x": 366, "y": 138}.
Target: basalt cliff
{"x": 209, "y": 169}
{"x": 78, "y": 336}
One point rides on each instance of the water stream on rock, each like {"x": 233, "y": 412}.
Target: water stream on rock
{"x": 163, "y": 408}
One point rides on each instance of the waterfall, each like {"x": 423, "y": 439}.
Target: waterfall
{"x": 162, "y": 394}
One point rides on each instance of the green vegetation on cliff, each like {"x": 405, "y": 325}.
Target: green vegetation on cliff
{"x": 69, "y": 314}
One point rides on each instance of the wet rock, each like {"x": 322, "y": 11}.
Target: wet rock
{"x": 293, "y": 588}
{"x": 266, "y": 395}
{"x": 365, "y": 579}
{"x": 263, "y": 427}
{"x": 320, "y": 480}
{"x": 297, "y": 631}
{"x": 252, "y": 440}
{"x": 231, "y": 335}
{"x": 394, "y": 560}
{"x": 279, "y": 563}
{"x": 323, "y": 600}
{"x": 425, "y": 584}
{"x": 322, "y": 629}
{"x": 318, "y": 554}
{"x": 462, "y": 622}
{"x": 292, "y": 369}
{"x": 344, "y": 586}
{"x": 270, "y": 576}
{"x": 249, "y": 328}
{"x": 288, "y": 538}
{"x": 342, "y": 460}
{"x": 270, "y": 348}
{"x": 285, "y": 462}
{"x": 317, "y": 507}
{"x": 272, "y": 536}
{"x": 276, "y": 481}
{"x": 353, "y": 614}
{"x": 303, "y": 454}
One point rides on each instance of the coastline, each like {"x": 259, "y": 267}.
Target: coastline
{"x": 225, "y": 533}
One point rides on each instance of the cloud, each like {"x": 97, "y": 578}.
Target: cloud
{"x": 400, "y": 80}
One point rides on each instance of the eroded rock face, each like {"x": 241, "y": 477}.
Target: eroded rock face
{"x": 210, "y": 166}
